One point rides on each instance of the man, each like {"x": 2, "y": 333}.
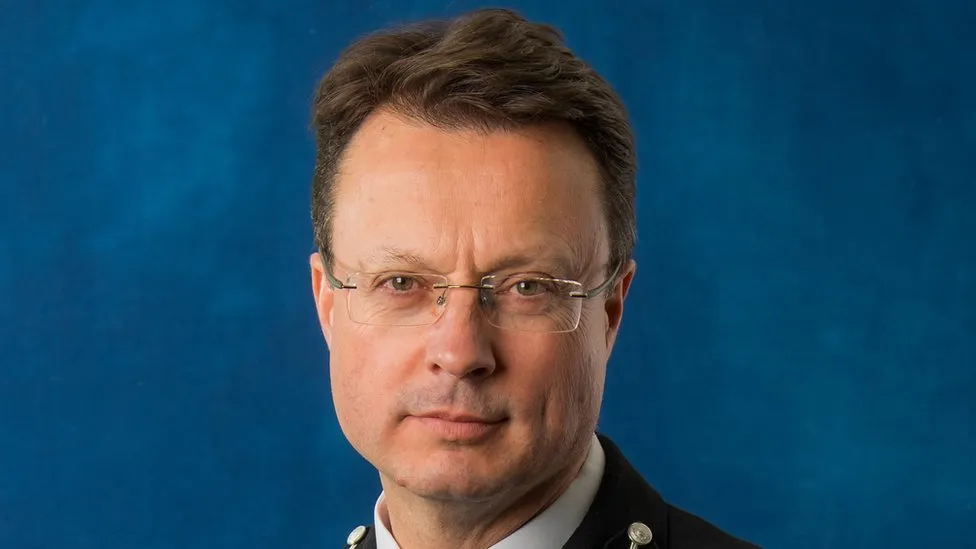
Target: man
{"x": 473, "y": 203}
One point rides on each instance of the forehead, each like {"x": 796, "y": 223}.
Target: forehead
{"x": 458, "y": 198}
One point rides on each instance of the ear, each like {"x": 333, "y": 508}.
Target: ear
{"x": 614, "y": 304}
{"x": 324, "y": 296}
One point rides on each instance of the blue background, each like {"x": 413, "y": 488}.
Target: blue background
{"x": 797, "y": 361}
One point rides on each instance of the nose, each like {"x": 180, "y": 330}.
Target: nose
{"x": 459, "y": 343}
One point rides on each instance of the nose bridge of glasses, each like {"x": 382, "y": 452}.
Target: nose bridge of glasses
{"x": 444, "y": 287}
{"x": 463, "y": 312}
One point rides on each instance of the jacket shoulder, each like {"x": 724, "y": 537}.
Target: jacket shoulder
{"x": 689, "y": 531}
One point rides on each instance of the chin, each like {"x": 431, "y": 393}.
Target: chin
{"x": 456, "y": 487}
{"x": 456, "y": 478}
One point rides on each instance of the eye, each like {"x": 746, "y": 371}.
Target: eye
{"x": 530, "y": 287}
{"x": 401, "y": 283}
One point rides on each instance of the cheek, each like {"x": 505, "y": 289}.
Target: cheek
{"x": 365, "y": 376}
{"x": 347, "y": 394}
{"x": 558, "y": 379}
{"x": 584, "y": 371}
{"x": 347, "y": 357}
{"x": 581, "y": 374}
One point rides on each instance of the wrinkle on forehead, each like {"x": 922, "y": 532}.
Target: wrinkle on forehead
{"x": 468, "y": 200}
{"x": 547, "y": 259}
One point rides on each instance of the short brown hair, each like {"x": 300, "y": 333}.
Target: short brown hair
{"x": 487, "y": 70}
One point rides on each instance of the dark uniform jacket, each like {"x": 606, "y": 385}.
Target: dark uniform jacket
{"x": 623, "y": 499}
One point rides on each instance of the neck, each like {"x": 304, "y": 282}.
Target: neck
{"x": 418, "y": 522}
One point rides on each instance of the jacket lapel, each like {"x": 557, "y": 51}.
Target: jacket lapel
{"x": 622, "y": 499}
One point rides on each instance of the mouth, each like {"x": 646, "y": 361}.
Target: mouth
{"x": 457, "y": 427}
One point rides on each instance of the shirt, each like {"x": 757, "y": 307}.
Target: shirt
{"x": 551, "y": 528}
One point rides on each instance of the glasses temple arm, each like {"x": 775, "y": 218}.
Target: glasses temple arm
{"x": 336, "y": 283}
{"x": 603, "y": 287}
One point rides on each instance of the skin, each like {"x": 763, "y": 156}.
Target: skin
{"x": 465, "y": 204}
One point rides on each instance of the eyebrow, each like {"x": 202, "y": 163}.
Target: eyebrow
{"x": 562, "y": 266}
{"x": 391, "y": 255}
{"x": 387, "y": 255}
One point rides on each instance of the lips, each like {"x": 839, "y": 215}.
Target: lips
{"x": 457, "y": 427}
{"x": 457, "y": 417}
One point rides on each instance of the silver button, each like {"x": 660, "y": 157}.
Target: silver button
{"x": 639, "y": 535}
{"x": 356, "y": 536}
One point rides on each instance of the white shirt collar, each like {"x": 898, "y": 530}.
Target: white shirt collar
{"x": 551, "y": 528}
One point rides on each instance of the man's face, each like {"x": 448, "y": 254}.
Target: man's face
{"x": 411, "y": 197}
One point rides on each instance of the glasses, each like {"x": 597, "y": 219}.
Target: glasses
{"x": 526, "y": 302}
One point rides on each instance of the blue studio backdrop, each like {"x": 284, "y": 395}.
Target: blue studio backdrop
{"x": 796, "y": 362}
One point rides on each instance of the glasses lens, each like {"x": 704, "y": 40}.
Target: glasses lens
{"x": 534, "y": 304}
{"x": 519, "y": 302}
{"x": 395, "y": 299}
{"x": 562, "y": 320}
